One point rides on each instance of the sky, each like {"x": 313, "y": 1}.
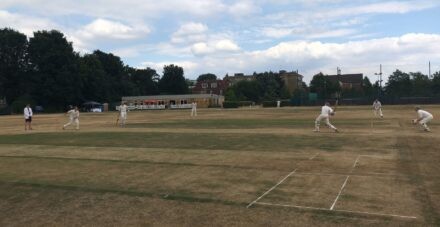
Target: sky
{"x": 244, "y": 36}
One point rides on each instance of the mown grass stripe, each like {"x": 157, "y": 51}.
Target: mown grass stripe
{"x": 175, "y": 197}
{"x": 136, "y": 162}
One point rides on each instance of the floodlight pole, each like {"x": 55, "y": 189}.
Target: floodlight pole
{"x": 430, "y": 69}
{"x": 380, "y": 80}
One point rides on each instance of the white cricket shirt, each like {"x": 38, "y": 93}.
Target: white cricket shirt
{"x": 377, "y": 105}
{"x": 326, "y": 110}
{"x": 424, "y": 114}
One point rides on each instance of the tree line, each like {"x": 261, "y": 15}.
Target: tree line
{"x": 45, "y": 70}
{"x": 400, "y": 84}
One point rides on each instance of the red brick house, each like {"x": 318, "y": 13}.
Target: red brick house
{"x": 216, "y": 87}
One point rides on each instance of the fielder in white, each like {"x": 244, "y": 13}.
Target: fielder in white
{"x": 73, "y": 118}
{"x": 423, "y": 117}
{"x": 194, "y": 109}
{"x": 377, "y": 107}
{"x": 326, "y": 112}
{"x": 122, "y": 114}
{"x": 28, "y": 117}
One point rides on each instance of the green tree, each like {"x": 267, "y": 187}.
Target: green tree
{"x": 143, "y": 81}
{"x": 367, "y": 87}
{"x": 323, "y": 86}
{"x": 270, "y": 85}
{"x": 13, "y": 63}
{"x": 93, "y": 78}
{"x": 399, "y": 84}
{"x": 173, "y": 81}
{"x": 248, "y": 91}
{"x": 420, "y": 85}
{"x": 230, "y": 95}
{"x": 54, "y": 69}
{"x": 116, "y": 76}
{"x": 435, "y": 85}
{"x": 207, "y": 76}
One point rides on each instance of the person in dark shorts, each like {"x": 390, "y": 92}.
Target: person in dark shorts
{"x": 28, "y": 117}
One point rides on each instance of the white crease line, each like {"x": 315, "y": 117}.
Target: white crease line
{"x": 355, "y": 163}
{"x": 378, "y": 156}
{"x": 383, "y": 175}
{"x": 285, "y": 205}
{"x": 378, "y": 214}
{"x": 340, "y": 191}
{"x": 281, "y": 181}
{"x": 342, "y": 211}
{"x": 314, "y": 156}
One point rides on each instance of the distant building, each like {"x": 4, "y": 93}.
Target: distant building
{"x": 292, "y": 80}
{"x": 216, "y": 87}
{"x": 348, "y": 81}
{"x": 237, "y": 77}
{"x": 172, "y": 101}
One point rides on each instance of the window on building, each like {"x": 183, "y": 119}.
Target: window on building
{"x": 213, "y": 85}
{"x": 184, "y": 101}
{"x": 204, "y": 85}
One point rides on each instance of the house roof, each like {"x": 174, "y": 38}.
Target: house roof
{"x": 347, "y": 78}
{"x": 160, "y": 97}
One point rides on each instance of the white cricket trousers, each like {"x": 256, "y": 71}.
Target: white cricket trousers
{"x": 424, "y": 122}
{"x": 122, "y": 118}
{"x": 76, "y": 121}
{"x": 378, "y": 112}
{"x": 327, "y": 122}
{"x": 193, "y": 112}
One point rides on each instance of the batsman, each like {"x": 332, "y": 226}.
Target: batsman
{"x": 326, "y": 112}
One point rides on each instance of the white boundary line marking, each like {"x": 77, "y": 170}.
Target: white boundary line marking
{"x": 342, "y": 211}
{"x": 340, "y": 191}
{"x": 272, "y": 188}
{"x": 314, "y": 156}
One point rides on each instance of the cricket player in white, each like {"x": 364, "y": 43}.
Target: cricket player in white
{"x": 423, "y": 117}
{"x": 122, "y": 114}
{"x": 326, "y": 111}
{"x": 73, "y": 118}
{"x": 194, "y": 109}
{"x": 377, "y": 106}
{"x": 28, "y": 117}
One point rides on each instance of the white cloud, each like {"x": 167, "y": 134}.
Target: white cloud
{"x": 409, "y": 52}
{"x": 331, "y": 33}
{"x": 214, "y": 47}
{"x": 226, "y": 45}
{"x": 121, "y": 10}
{"x": 276, "y": 32}
{"x": 188, "y": 66}
{"x": 189, "y": 33}
{"x": 102, "y": 28}
{"x": 24, "y": 23}
{"x": 243, "y": 8}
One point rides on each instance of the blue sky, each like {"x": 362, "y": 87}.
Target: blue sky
{"x": 224, "y": 36}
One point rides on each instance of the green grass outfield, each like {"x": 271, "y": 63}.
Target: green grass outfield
{"x": 243, "y": 167}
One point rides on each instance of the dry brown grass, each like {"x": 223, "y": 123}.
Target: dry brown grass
{"x": 205, "y": 171}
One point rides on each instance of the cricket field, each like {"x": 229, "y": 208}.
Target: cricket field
{"x": 226, "y": 167}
